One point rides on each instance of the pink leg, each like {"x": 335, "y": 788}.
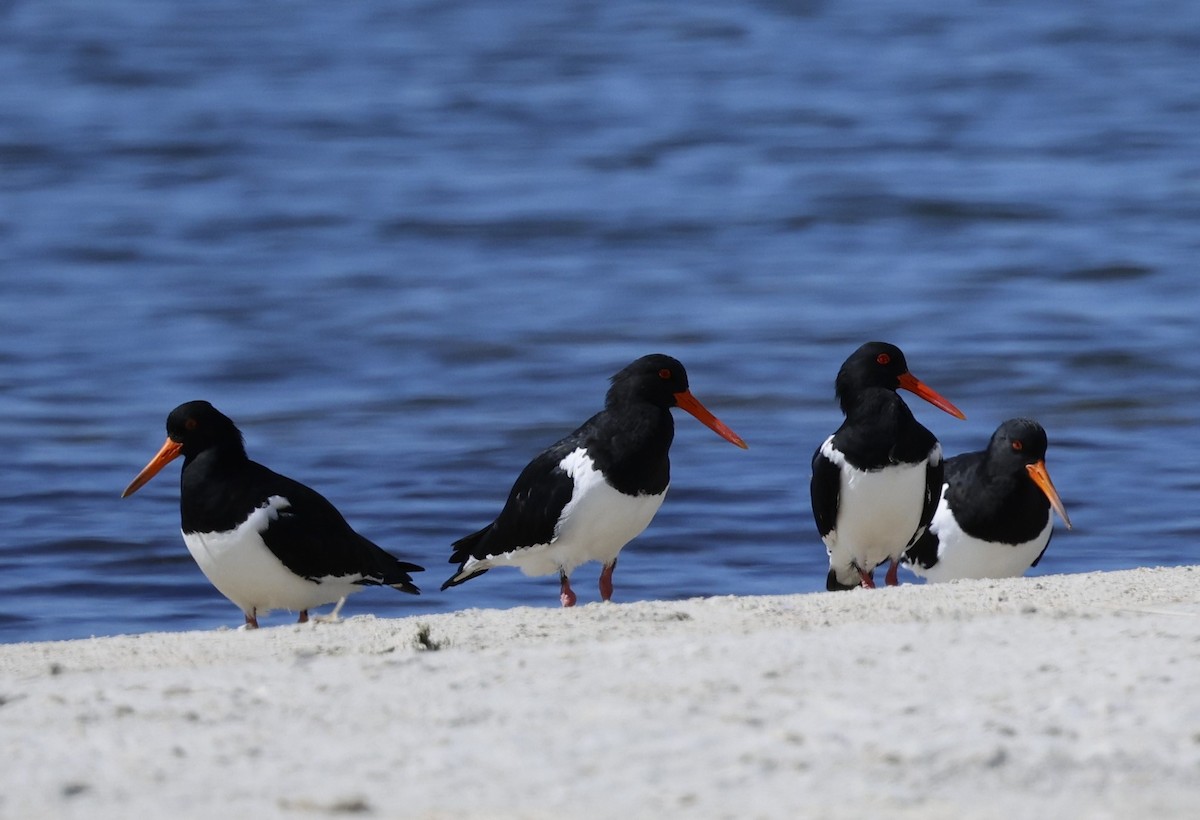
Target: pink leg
{"x": 566, "y": 594}
{"x": 891, "y": 578}
{"x": 868, "y": 578}
{"x": 303, "y": 617}
{"x": 251, "y": 619}
{"x": 606, "y": 587}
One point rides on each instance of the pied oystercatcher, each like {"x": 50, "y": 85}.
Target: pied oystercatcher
{"x": 263, "y": 540}
{"x": 588, "y": 495}
{"x": 875, "y": 482}
{"x": 993, "y": 520}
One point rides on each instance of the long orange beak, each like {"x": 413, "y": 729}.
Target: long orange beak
{"x": 1042, "y": 478}
{"x": 686, "y": 401}
{"x": 169, "y": 452}
{"x": 910, "y": 382}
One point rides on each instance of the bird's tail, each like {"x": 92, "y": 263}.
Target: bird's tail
{"x": 468, "y": 565}
{"x": 399, "y": 579}
{"x": 923, "y": 553}
{"x": 392, "y": 572}
{"x": 833, "y": 584}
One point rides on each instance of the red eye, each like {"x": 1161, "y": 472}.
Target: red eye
{"x": 1017, "y": 445}
{"x": 190, "y": 424}
{"x": 664, "y": 374}
{"x": 883, "y": 358}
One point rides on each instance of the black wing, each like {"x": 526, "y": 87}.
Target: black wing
{"x": 530, "y": 515}
{"x": 313, "y": 540}
{"x": 1043, "y": 552}
{"x": 935, "y": 475}
{"x": 825, "y": 489}
{"x": 924, "y": 553}
{"x": 924, "y": 549}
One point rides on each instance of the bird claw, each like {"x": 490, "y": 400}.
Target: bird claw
{"x": 334, "y": 617}
{"x": 566, "y": 594}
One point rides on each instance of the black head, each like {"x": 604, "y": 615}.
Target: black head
{"x": 656, "y": 379}
{"x": 875, "y": 364}
{"x": 882, "y": 365}
{"x": 1019, "y": 446}
{"x": 192, "y": 428}
{"x": 1018, "y": 442}
{"x": 663, "y": 382}
{"x": 197, "y": 425}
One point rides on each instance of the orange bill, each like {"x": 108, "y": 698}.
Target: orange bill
{"x": 1042, "y": 478}
{"x": 910, "y": 382}
{"x": 686, "y": 401}
{"x": 169, "y": 452}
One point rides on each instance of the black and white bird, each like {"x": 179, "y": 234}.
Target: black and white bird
{"x": 588, "y": 495}
{"x": 263, "y": 540}
{"x": 993, "y": 519}
{"x": 875, "y": 482}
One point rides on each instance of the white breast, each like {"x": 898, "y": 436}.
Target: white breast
{"x": 244, "y": 570}
{"x": 594, "y": 525}
{"x": 879, "y": 511}
{"x": 963, "y": 556}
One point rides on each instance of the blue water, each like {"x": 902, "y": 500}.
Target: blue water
{"x": 404, "y": 244}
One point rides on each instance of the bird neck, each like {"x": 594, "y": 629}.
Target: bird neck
{"x": 633, "y": 448}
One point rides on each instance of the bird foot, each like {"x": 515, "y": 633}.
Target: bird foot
{"x": 868, "y": 579}
{"x": 606, "y": 584}
{"x": 566, "y": 594}
{"x": 334, "y": 616}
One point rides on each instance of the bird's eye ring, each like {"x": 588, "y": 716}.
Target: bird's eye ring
{"x": 883, "y": 359}
{"x": 664, "y": 374}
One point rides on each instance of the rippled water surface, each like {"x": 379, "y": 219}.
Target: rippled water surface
{"x": 404, "y": 244}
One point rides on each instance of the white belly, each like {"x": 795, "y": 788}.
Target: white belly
{"x": 962, "y": 556}
{"x": 879, "y": 512}
{"x": 594, "y": 526}
{"x": 246, "y": 572}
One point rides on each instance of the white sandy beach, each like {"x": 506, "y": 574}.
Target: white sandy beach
{"x": 1062, "y": 696}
